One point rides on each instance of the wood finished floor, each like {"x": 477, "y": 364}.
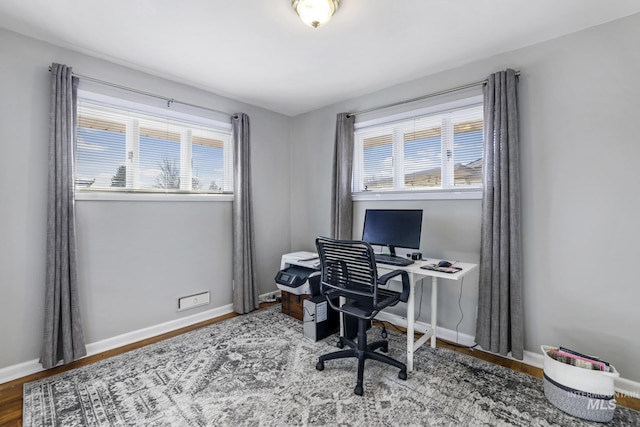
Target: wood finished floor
{"x": 11, "y": 392}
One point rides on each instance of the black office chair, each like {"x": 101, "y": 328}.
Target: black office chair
{"x": 349, "y": 270}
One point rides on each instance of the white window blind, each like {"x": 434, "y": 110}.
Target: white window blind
{"x": 440, "y": 151}
{"x": 133, "y": 148}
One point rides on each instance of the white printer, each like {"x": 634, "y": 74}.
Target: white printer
{"x": 299, "y": 273}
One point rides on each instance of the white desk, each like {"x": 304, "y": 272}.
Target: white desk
{"x": 415, "y": 274}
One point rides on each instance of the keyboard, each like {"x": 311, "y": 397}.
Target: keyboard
{"x": 393, "y": 260}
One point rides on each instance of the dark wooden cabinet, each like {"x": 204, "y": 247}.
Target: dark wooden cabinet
{"x": 292, "y": 304}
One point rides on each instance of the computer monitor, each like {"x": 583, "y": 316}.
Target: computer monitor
{"x": 393, "y": 228}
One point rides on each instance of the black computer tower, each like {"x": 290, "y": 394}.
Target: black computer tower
{"x": 320, "y": 320}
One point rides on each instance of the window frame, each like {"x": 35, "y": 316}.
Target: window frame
{"x": 399, "y": 192}
{"x": 188, "y": 118}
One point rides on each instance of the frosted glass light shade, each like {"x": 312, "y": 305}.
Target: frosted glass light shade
{"x": 315, "y": 13}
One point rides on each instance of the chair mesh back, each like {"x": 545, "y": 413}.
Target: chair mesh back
{"x": 349, "y": 266}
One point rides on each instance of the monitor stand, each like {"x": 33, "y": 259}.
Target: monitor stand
{"x": 392, "y": 258}
{"x": 392, "y": 251}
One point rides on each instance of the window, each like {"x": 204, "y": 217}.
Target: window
{"x": 421, "y": 150}
{"x": 126, "y": 147}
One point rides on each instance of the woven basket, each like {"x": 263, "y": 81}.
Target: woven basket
{"x": 580, "y": 392}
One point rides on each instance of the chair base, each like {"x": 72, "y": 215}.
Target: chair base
{"x": 363, "y": 351}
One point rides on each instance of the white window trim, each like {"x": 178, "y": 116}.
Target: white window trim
{"x": 109, "y": 101}
{"x": 113, "y": 102}
{"x": 466, "y": 102}
{"x": 444, "y": 193}
{"x": 459, "y": 194}
{"x": 150, "y": 197}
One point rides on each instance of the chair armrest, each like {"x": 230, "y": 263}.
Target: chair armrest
{"x": 404, "y": 296}
{"x": 329, "y": 295}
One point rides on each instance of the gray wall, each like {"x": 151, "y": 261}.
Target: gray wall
{"x": 451, "y": 231}
{"x": 135, "y": 258}
{"x": 579, "y": 105}
{"x": 580, "y": 101}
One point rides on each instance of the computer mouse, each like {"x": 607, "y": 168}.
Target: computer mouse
{"x": 444, "y": 264}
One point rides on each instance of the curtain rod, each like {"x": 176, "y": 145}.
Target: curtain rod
{"x": 419, "y": 98}
{"x": 153, "y": 95}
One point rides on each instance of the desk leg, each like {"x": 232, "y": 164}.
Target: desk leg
{"x": 434, "y": 309}
{"x": 410, "y": 320}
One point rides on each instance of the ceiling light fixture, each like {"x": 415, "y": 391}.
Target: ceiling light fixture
{"x": 315, "y": 13}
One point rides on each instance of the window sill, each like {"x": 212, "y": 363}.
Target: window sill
{"x": 474, "y": 194}
{"x": 150, "y": 197}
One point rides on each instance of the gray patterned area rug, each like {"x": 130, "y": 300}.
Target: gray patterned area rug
{"x": 258, "y": 370}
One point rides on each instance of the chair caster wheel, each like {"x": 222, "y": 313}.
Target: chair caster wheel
{"x": 320, "y": 366}
{"x": 358, "y": 390}
{"x": 384, "y": 349}
{"x": 340, "y": 344}
{"x": 402, "y": 375}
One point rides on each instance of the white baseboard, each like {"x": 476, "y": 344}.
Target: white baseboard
{"x": 623, "y": 386}
{"x": 446, "y": 334}
{"x": 155, "y": 330}
{"x": 33, "y": 366}
{"x": 270, "y": 296}
{"x": 20, "y": 370}
{"x": 627, "y": 388}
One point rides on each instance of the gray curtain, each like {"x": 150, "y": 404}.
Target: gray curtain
{"x": 245, "y": 286}
{"x": 341, "y": 202}
{"x": 500, "y": 326}
{"x": 63, "y": 338}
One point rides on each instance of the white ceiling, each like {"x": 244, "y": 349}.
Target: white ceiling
{"x": 259, "y": 52}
